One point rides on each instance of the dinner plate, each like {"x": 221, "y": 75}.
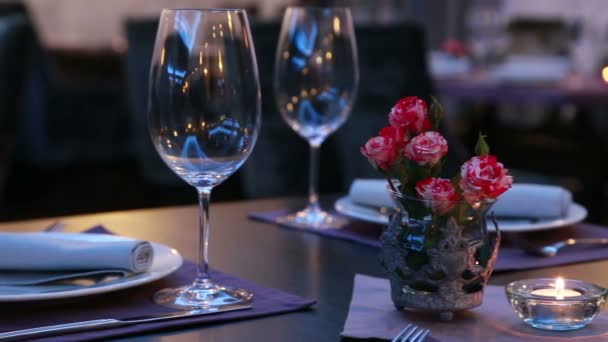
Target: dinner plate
{"x": 166, "y": 261}
{"x": 576, "y": 213}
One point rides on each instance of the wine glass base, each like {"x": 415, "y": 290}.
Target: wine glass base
{"x": 212, "y": 298}
{"x": 313, "y": 219}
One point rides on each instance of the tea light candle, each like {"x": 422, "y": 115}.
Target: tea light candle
{"x": 557, "y": 292}
{"x": 556, "y": 304}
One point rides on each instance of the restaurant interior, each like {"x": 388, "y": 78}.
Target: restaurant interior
{"x": 75, "y": 131}
{"x": 83, "y": 122}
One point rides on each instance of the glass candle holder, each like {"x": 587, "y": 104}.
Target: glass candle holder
{"x": 556, "y": 304}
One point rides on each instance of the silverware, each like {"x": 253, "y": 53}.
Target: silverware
{"x": 59, "y": 329}
{"x": 412, "y": 333}
{"x": 554, "y": 248}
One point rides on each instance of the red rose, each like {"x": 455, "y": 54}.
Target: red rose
{"x": 381, "y": 152}
{"x": 484, "y": 177}
{"x": 410, "y": 114}
{"x": 440, "y": 192}
{"x": 397, "y": 136}
{"x": 426, "y": 148}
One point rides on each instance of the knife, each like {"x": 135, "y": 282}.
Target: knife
{"x": 59, "y": 329}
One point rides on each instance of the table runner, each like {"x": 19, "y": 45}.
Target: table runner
{"x": 137, "y": 302}
{"x": 372, "y": 315}
{"x": 510, "y": 258}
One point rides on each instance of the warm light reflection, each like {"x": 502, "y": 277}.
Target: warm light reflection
{"x": 229, "y": 21}
{"x": 294, "y": 99}
{"x": 313, "y": 91}
{"x": 605, "y": 74}
{"x": 328, "y": 55}
{"x": 162, "y": 57}
{"x": 175, "y": 133}
{"x": 290, "y": 107}
{"x": 220, "y": 64}
{"x": 305, "y": 71}
{"x": 319, "y": 60}
{"x": 200, "y": 58}
{"x": 336, "y": 25}
{"x": 285, "y": 54}
{"x": 303, "y": 93}
{"x": 205, "y": 71}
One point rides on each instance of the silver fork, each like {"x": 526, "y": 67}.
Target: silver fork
{"x": 412, "y": 333}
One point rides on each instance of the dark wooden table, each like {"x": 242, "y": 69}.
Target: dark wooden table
{"x": 297, "y": 262}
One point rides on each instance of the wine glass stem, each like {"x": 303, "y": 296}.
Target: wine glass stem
{"x": 313, "y": 175}
{"x": 202, "y": 277}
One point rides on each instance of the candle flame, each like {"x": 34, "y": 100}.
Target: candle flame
{"x": 559, "y": 288}
{"x": 605, "y": 74}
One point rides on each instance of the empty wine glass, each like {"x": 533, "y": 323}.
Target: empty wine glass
{"x": 204, "y": 118}
{"x": 316, "y": 78}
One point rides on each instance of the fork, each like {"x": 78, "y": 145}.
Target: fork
{"x": 412, "y": 333}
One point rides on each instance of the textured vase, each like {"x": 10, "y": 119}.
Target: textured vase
{"x": 438, "y": 262}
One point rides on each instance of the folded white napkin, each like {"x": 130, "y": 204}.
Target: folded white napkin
{"x": 522, "y": 200}
{"x": 521, "y": 68}
{"x": 71, "y": 252}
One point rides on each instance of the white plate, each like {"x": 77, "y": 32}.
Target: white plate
{"x": 166, "y": 261}
{"x": 576, "y": 214}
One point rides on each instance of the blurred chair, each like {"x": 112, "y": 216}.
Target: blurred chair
{"x": 392, "y": 64}
{"x": 279, "y": 162}
{"x": 14, "y": 30}
{"x": 140, "y": 37}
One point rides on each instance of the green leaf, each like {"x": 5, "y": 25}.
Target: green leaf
{"x": 482, "y": 148}
{"x": 435, "y": 112}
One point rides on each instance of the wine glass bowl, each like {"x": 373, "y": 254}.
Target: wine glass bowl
{"x": 204, "y": 118}
{"x": 315, "y": 82}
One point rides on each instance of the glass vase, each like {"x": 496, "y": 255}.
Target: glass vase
{"x": 439, "y": 256}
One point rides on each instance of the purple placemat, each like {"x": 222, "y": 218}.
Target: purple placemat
{"x": 357, "y": 232}
{"x": 137, "y": 302}
{"x": 510, "y": 257}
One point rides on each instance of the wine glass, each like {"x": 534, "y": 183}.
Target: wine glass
{"x": 204, "y": 117}
{"x": 316, "y": 78}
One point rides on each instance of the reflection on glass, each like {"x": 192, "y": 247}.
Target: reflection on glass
{"x": 316, "y": 77}
{"x": 204, "y": 117}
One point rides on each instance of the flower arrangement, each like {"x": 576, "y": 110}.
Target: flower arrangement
{"x": 436, "y": 247}
{"x": 412, "y": 151}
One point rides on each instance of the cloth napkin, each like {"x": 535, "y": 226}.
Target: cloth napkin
{"x": 36, "y": 258}
{"x": 136, "y": 302}
{"x": 522, "y": 200}
{"x": 372, "y": 315}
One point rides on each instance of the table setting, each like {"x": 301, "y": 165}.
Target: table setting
{"x": 444, "y": 283}
{"x": 410, "y": 256}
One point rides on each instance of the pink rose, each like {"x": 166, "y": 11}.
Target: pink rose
{"x": 483, "y": 177}
{"x": 384, "y": 149}
{"x": 410, "y": 114}
{"x": 440, "y": 192}
{"x": 426, "y": 148}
